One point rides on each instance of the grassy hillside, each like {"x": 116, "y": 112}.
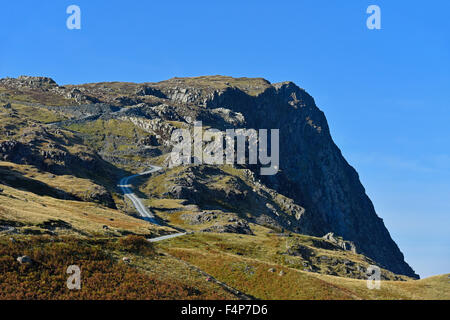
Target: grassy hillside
{"x": 103, "y": 273}
{"x": 31, "y": 213}
{"x": 170, "y": 270}
{"x": 254, "y": 268}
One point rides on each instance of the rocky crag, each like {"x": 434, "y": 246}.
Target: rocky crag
{"x": 316, "y": 192}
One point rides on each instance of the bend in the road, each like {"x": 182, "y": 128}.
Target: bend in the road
{"x": 143, "y": 211}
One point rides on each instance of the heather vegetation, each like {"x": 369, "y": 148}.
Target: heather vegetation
{"x": 103, "y": 276}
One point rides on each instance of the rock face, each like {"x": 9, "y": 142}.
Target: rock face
{"x": 314, "y": 172}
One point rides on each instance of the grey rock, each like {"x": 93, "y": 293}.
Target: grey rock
{"x": 240, "y": 227}
{"x": 24, "y": 260}
{"x": 345, "y": 245}
{"x": 200, "y": 218}
{"x": 301, "y": 251}
{"x": 126, "y": 260}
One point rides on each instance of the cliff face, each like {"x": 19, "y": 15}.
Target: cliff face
{"x": 313, "y": 171}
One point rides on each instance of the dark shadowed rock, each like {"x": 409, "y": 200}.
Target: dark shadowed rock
{"x": 240, "y": 227}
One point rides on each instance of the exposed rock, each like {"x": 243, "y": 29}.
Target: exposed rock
{"x": 149, "y": 141}
{"x": 301, "y": 251}
{"x": 200, "y": 218}
{"x": 80, "y": 97}
{"x": 149, "y": 91}
{"x": 55, "y": 224}
{"x": 267, "y": 221}
{"x": 184, "y": 95}
{"x": 346, "y": 245}
{"x": 240, "y": 227}
{"x": 99, "y": 194}
{"x": 183, "y": 192}
{"x": 29, "y": 82}
{"x": 8, "y": 229}
{"x": 36, "y": 80}
{"x": 126, "y": 260}
{"x": 24, "y": 260}
{"x": 126, "y": 101}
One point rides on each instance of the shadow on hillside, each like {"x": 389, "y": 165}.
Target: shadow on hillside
{"x": 17, "y": 180}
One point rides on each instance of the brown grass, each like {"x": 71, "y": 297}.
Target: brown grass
{"x": 87, "y": 218}
{"x": 253, "y": 277}
{"x": 102, "y": 276}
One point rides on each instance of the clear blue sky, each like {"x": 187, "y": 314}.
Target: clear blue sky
{"x": 386, "y": 93}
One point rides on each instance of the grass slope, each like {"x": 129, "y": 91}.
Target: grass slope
{"x": 103, "y": 274}
{"x": 256, "y": 266}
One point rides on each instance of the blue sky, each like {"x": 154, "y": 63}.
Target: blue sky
{"x": 386, "y": 93}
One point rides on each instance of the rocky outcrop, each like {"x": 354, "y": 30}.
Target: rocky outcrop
{"x": 29, "y": 82}
{"x": 80, "y": 97}
{"x": 345, "y": 245}
{"x": 149, "y": 91}
{"x": 239, "y": 227}
{"x": 200, "y": 218}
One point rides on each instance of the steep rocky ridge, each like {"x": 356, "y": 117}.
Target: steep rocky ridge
{"x": 322, "y": 191}
{"x": 313, "y": 171}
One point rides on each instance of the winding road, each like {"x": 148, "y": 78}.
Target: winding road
{"x": 145, "y": 213}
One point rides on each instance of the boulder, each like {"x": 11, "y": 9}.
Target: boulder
{"x": 126, "y": 260}
{"x": 24, "y": 260}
